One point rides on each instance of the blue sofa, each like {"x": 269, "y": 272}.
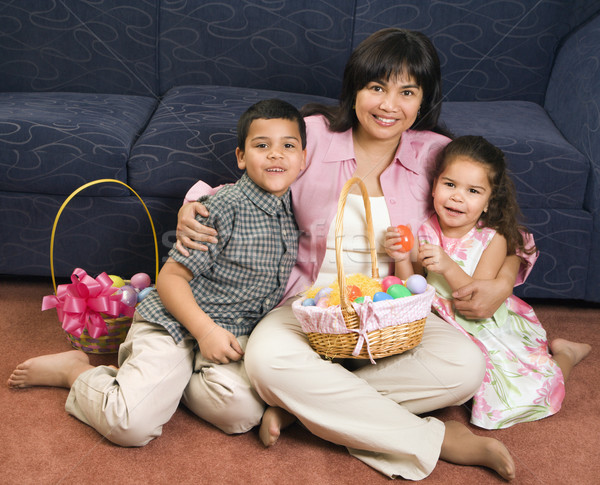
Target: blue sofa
{"x": 148, "y": 92}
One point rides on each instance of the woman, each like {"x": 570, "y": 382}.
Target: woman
{"x": 384, "y": 131}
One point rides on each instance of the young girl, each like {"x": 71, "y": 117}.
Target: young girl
{"x": 468, "y": 237}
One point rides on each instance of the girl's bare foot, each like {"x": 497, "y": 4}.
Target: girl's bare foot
{"x": 273, "y": 421}
{"x": 568, "y": 354}
{"x": 462, "y": 447}
{"x": 56, "y": 370}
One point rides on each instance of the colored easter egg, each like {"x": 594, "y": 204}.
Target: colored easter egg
{"x": 323, "y": 302}
{"x": 389, "y": 281}
{"x": 360, "y": 299}
{"x": 407, "y": 238}
{"x": 323, "y": 292}
{"x": 308, "y": 302}
{"x": 416, "y": 284}
{"x": 398, "y": 291}
{"x": 117, "y": 280}
{"x": 143, "y": 293}
{"x": 380, "y": 296}
{"x": 140, "y": 281}
{"x": 353, "y": 292}
{"x": 128, "y": 295}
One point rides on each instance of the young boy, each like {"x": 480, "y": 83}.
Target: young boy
{"x": 187, "y": 338}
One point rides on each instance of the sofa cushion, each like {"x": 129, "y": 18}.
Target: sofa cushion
{"x": 193, "y": 137}
{"x": 51, "y": 143}
{"x": 548, "y": 171}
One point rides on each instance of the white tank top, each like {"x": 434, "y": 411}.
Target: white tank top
{"x": 356, "y": 258}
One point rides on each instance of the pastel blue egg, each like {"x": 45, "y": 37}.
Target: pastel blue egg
{"x": 143, "y": 293}
{"x": 309, "y": 302}
{"x": 381, "y": 295}
{"x": 416, "y": 284}
{"x": 323, "y": 292}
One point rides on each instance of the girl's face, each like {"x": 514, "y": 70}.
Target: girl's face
{"x": 460, "y": 194}
{"x": 386, "y": 109}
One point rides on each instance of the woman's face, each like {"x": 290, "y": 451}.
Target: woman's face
{"x": 386, "y": 109}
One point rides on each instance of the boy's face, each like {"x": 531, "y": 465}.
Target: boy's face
{"x": 273, "y": 154}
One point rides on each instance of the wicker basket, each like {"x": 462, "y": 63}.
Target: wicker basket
{"x": 117, "y": 328}
{"x": 388, "y": 338}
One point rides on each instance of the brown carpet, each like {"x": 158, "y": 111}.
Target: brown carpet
{"x": 40, "y": 443}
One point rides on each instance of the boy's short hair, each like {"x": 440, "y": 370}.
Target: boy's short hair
{"x": 269, "y": 109}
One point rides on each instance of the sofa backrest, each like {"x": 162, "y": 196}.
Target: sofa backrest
{"x": 496, "y": 50}
{"x": 573, "y": 98}
{"x": 489, "y": 50}
{"x": 98, "y": 46}
{"x": 296, "y": 46}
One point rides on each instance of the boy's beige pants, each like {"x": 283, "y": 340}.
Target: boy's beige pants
{"x": 130, "y": 405}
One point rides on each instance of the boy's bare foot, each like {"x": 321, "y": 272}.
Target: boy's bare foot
{"x": 56, "y": 370}
{"x": 462, "y": 447}
{"x": 273, "y": 421}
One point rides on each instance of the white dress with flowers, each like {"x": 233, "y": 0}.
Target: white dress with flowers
{"x": 522, "y": 382}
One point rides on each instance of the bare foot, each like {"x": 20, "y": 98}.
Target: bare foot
{"x": 56, "y": 370}
{"x": 568, "y": 354}
{"x": 273, "y": 421}
{"x": 462, "y": 447}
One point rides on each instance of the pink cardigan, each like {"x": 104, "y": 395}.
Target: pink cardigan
{"x": 330, "y": 163}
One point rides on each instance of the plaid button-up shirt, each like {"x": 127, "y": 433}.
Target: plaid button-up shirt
{"x": 242, "y": 277}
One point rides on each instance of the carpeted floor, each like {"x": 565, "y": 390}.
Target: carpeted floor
{"x": 41, "y": 444}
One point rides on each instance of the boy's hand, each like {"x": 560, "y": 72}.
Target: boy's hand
{"x": 434, "y": 258}
{"x": 220, "y": 346}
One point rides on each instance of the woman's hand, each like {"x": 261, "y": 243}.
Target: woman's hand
{"x": 190, "y": 232}
{"x": 481, "y": 298}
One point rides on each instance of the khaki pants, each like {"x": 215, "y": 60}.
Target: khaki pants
{"x": 130, "y": 405}
{"x": 373, "y": 409}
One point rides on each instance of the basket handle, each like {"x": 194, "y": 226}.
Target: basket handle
{"x": 339, "y": 230}
{"x": 73, "y": 194}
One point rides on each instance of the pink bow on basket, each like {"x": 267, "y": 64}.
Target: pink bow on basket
{"x": 83, "y": 303}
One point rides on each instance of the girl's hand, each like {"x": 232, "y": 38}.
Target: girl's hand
{"x": 220, "y": 346}
{"x": 434, "y": 258}
{"x": 392, "y": 246}
{"x": 190, "y": 231}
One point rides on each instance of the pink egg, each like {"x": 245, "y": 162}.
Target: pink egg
{"x": 140, "y": 281}
{"x": 389, "y": 281}
{"x": 323, "y": 302}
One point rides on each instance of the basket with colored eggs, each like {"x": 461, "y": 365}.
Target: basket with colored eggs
{"x": 96, "y": 313}
{"x": 360, "y": 317}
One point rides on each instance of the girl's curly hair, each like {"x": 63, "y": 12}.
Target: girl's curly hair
{"x": 503, "y": 212}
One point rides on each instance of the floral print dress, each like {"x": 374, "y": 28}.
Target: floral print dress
{"x": 522, "y": 382}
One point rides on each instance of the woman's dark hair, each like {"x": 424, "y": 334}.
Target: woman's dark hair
{"x": 503, "y": 211}
{"x": 269, "y": 109}
{"x": 385, "y": 54}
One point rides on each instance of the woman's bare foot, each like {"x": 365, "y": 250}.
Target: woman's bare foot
{"x": 273, "y": 421}
{"x": 462, "y": 447}
{"x": 56, "y": 370}
{"x": 568, "y": 354}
